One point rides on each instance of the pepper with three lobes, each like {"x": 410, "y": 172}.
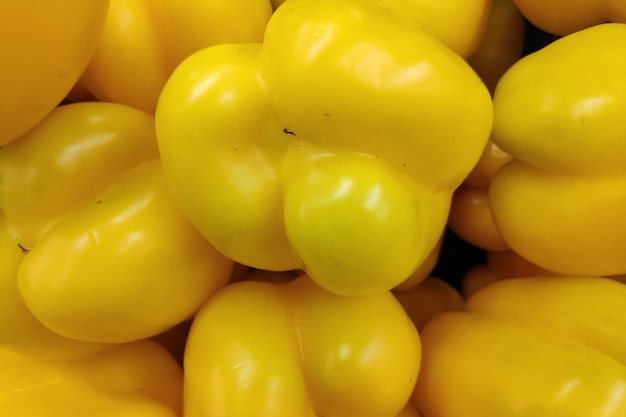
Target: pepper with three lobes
{"x": 533, "y": 346}
{"x": 329, "y": 147}
{"x": 294, "y": 349}
{"x": 94, "y": 249}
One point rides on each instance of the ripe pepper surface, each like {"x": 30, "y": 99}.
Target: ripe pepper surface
{"x": 458, "y": 24}
{"x": 20, "y": 331}
{"x": 534, "y": 346}
{"x": 329, "y": 147}
{"x": 559, "y": 113}
{"x": 296, "y": 350}
{"x": 143, "y": 41}
{"x": 470, "y": 214}
{"x": 99, "y": 251}
{"x": 138, "y": 379}
{"x": 563, "y": 17}
{"x": 43, "y": 52}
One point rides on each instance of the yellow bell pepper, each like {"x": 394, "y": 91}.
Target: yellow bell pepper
{"x": 143, "y": 41}
{"x": 20, "y": 331}
{"x": 424, "y": 270}
{"x": 296, "y": 350}
{"x": 502, "y": 44}
{"x": 421, "y": 300}
{"x": 535, "y": 346}
{"x": 420, "y": 275}
{"x": 44, "y": 48}
{"x": 499, "y": 265}
{"x": 97, "y": 247}
{"x": 563, "y": 17}
{"x": 329, "y": 147}
{"x": 431, "y": 297}
{"x": 138, "y": 379}
{"x": 458, "y": 24}
{"x": 470, "y": 214}
{"x": 559, "y": 113}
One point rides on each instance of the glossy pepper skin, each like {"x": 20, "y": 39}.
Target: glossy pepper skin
{"x": 292, "y": 350}
{"x": 559, "y": 114}
{"x": 138, "y": 379}
{"x": 328, "y": 147}
{"x": 458, "y": 24}
{"x": 43, "y": 53}
{"x": 20, "y": 331}
{"x": 143, "y": 41}
{"x": 563, "y": 17}
{"x": 534, "y": 346}
{"x": 100, "y": 250}
{"x": 470, "y": 213}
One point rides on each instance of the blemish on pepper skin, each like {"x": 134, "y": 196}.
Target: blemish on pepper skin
{"x": 99, "y": 202}
{"x": 288, "y": 132}
{"x": 326, "y": 114}
{"x": 24, "y": 249}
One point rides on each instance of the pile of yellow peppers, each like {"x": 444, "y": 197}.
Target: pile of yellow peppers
{"x": 240, "y": 208}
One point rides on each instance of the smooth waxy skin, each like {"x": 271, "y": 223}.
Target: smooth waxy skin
{"x": 559, "y": 114}
{"x": 43, "y": 53}
{"x": 328, "y": 147}
{"x": 563, "y": 17}
{"x": 458, "y": 24}
{"x": 297, "y": 350}
{"x": 20, "y": 331}
{"x": 110, "y": 256}
{"x": 138, "y": 379}
{"x": 586, "y": 308}
{"x": 542, "y": 346}
{"x": 143, "y": 41}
